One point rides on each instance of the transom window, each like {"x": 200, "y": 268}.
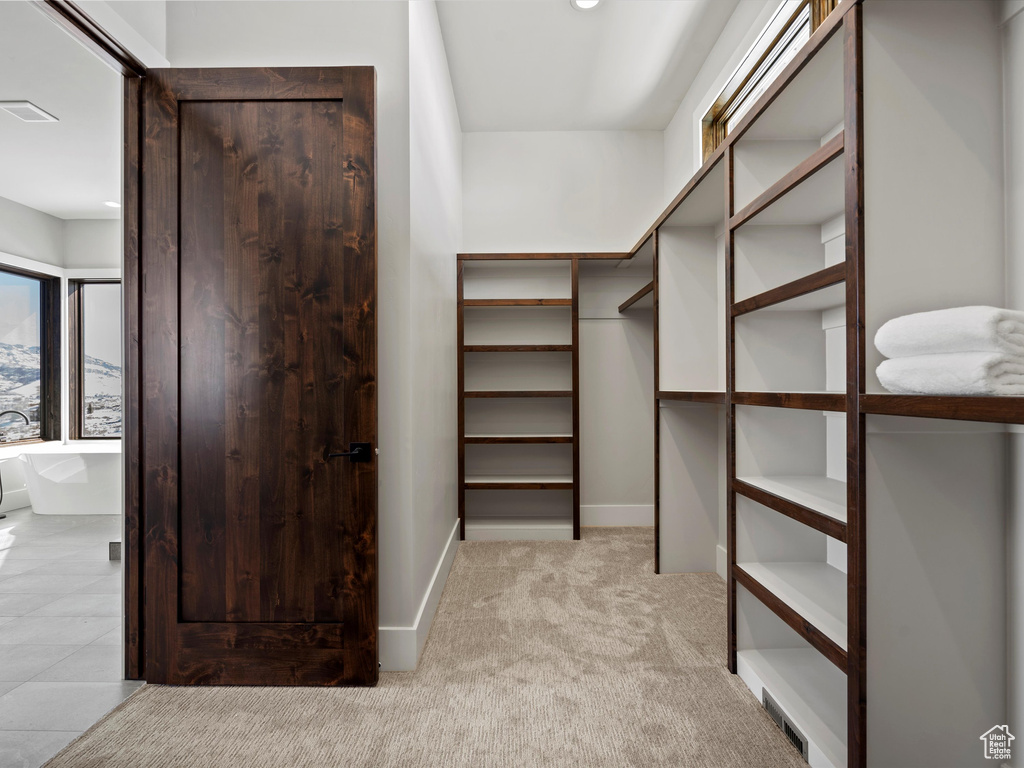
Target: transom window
{"x": 791, "y": 26}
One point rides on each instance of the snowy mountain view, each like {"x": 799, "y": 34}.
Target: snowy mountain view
{"x": 102, "y": 417}
{"x": 19, "y": 391}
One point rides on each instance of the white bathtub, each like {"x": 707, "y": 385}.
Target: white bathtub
{"x": 74, "y": 483}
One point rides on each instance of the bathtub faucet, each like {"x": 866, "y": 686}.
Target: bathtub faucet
{"x": 24, "y": 416}
{"x": 19, "y": 413}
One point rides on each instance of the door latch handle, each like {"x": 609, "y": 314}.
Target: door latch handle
{"x": 357, "y": 453}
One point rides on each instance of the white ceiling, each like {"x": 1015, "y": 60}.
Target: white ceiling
{"x": 541, "y": 65}
{"x": 67, "y": 169}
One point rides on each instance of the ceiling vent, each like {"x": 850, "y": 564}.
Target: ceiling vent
{"x": 27, "y": 111}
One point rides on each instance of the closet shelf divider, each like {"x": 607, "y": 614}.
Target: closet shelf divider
{"x": 811, "y": 401}
{"x": 632, "y": 300}
{"x": 822, "y": 157}
{"x": 814, "y": 282}
{"x": 821, "y": 642}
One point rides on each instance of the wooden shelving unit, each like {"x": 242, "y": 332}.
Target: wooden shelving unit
{"x": 524, "y": 484}
{"x": 768, "y": 415}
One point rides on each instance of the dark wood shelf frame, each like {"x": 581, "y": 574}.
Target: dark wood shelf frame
{"x": 809, "y": 517}
{"x": 814, "y": 282}
{"x": 809, "y": 401}
{"x": 517, "y": 302}
{"x": 517, "y": 348}
{"x": 821, "y": 642}
{"x": 511, "y": 393}
{"x": 517, "y": 439}
{"x": 713, "y": 398}
{"x": 647, "y": 289}
{"x": 514, "y": 485}
{"x": 828, "y": 152}
{"x": 573, "y": 348}
{"x": 1000, "y": 410}
{"x": 542, "y": 256}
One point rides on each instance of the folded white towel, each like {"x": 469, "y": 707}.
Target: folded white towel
{"x": 960, "y": 329}
{"x": 959, "y": 373}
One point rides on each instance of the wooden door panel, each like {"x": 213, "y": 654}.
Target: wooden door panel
{"x": 261, "y": 249}
{"x": 262, "y": 337}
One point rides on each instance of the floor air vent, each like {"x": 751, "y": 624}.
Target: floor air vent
{"x": 795, "y": 737}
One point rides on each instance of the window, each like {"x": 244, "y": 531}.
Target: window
{"x": 29, "y": 365}
{"x": 95, "y": 313}
{"x": 790, "y": 27}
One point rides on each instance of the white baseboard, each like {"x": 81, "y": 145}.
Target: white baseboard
{"x": 399, "y": 648}
{"x": 616, "y": 514}
{"x": 722, "y": 561}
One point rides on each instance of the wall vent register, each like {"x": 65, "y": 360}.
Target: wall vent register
{"x": 27, "y": 112}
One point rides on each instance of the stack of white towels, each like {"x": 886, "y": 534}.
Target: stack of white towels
{"x": 959, "y": 351}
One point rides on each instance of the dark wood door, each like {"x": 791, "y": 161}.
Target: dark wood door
{"x": 258, "y": 352}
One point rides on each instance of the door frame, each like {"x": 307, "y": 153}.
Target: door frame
{"x": 85, "y": 30}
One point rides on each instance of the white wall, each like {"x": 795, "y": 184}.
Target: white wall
{"x": 415, "y": 292}
{"x": 682, "y": 135}
{"x": 435, "y": 226}
{"x": 560, "y": 191}
{"x": 568, "y": 192}
{"x": 250, "y": 34}
{"x": 91, "y": 243}
{"x": 30, "y": 233}
{"x": 139, "y": 25}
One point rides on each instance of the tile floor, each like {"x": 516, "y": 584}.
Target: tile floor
{"x": 60, "y": 631}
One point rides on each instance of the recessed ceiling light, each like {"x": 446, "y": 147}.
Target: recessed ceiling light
{"x": 584, "y": 5}
{"x": 111, "y": 204}
{"x": 27, "y": 111}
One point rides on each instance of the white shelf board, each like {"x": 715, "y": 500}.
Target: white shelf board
{"x": 518, "y": 528}
{"x": 816, "y": 591}
{"x": 816, "y": 200}
{"x": 809, "y": 689}
{"x": 705, "y": 205}
{"x": 822, "y": 494}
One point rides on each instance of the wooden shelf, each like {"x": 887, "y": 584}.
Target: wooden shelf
{"x": 809, "y": 597}
{"x": 696, "y": 396}
{"x": 1001, "y": 410}
{"x": 517, "y": 348}
{"x": 808, "y": 168}
{"x": 519, "y": 439}
{"x": 519, "y": 393}
{"x": 538, "y": 256}
{"x": 636, "y": 297}
{"x": 809, "y": 401}
{"x": 516, "y": 439}
{"x": 519, "y": 483}
{"x": 517, "y": 302}
{"x": 814, "y": 282}
{"x": 821, "y": 497}
{"x": 808, "y": 688}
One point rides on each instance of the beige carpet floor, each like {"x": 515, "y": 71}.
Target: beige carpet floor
{"x": 541, "y": 654}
